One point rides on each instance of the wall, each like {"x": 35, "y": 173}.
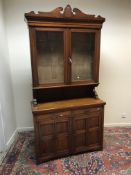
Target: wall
{"x": 7, "y": 117}
{"x": 115, "y": 71}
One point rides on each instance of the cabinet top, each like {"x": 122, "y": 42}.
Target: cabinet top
{"x": 67, "y": 104}
{"x": 67, "y": 14}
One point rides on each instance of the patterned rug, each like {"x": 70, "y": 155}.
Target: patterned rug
{"x": 115, "y": 159}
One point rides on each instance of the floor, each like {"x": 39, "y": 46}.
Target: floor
{"x": 115, "y": 159}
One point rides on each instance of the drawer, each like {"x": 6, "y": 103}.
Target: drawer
{"x": 87, "y": 111}
{"x": 53, "y": 115}
{"x": 63, "y": 114}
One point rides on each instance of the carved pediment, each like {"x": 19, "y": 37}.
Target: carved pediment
{"x": 67, "y": 13}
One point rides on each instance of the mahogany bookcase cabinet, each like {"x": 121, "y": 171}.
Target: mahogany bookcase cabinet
{"x": 65, "y": 53}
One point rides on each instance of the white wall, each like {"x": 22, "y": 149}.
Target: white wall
{"x": 7, "y": 117}
{"x": 115, "y": 71}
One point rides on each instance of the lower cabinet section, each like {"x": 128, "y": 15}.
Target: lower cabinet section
{"x": 68, "y": 132}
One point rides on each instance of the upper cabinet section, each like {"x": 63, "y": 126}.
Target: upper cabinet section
{"x": 65, "y": 47}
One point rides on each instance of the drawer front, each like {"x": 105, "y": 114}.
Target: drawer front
{"x": 89, "y": 111}
{"x": 52, "y": 116}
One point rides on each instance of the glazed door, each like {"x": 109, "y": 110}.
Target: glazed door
{"x": 83, "y": 56}
{"x": 48, "y": 56}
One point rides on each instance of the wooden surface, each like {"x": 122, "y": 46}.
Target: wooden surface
{"x": 66, "y": 14}
{"x": 67, "y": 104}
{"x": 68, "y": 131}
{"x": 68, "y": 118}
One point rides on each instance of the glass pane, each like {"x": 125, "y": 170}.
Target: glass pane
{"x": 83, "y": 47}
{"x": 50, "y": 56}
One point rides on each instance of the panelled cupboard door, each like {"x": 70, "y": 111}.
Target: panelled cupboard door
{"x": 80, "y": 132}
{"x": 45, "y": 127}
{"x": 54, "y": 134}
{"x": 64, "y": 56}
{"x": 87, "y": 127}
{"x": 63, "y": 130}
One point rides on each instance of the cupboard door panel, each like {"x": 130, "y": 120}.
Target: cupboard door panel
{"x": 94, "y": 137}
{"x": 46, "y": 125}
{"x": 94, "y": 121}
{"x": 46, "y": 129}
{"x": 63, "y": 130}
{"x": 80, "y": 141}
{"x": 47, "y": 145}
{"x": 80, "y": 124}
{"x": 62, "y": 144}
{"x": 62, "y": 127}
{"x": 80, "y": 133}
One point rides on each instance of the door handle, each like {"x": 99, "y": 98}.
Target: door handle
{"x": 70, "y": 60}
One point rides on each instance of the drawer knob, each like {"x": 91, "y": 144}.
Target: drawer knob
{"x": 61, "y": 115}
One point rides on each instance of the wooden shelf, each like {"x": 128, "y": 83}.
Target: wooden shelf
{"x": 64, "y": 85}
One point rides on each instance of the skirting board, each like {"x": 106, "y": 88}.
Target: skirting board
{"x": 8, "y": 145}
{"x": 22, "y": 129}
{"x": 12, "y": 139}
{"x": 14, "y": 135}
{"x": 117, "y": 124}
